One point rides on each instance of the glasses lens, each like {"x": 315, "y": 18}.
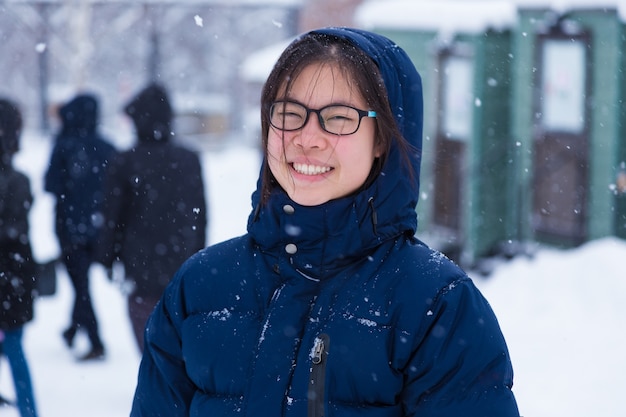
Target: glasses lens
{"x": 340, "y": 120}
{"x": 286, "y": 115}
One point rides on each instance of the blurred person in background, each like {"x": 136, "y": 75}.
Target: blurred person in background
{"x": 17, "y": 267}
{"x": 75, "y": 177}
{"x": 155, "y": 209}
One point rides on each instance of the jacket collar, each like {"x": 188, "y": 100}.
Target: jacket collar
{"x": 319, "y": 240}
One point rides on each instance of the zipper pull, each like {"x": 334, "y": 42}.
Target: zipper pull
{"x": 317, "y": 378}
{"x": 318, "y": 350}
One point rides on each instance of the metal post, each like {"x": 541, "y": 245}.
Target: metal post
{"x": 42, "y": 60}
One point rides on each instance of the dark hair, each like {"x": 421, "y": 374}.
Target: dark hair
{"x": 10, "y": 129}
{"x": 357, "y": 66}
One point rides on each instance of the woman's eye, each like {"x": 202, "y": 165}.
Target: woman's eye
{"x": 340, "y": 114}
{"x": 338, "y": 117}
{"x": 291, "y": 115}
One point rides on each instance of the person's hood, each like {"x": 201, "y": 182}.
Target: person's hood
{"x": 402, "y": 81}
{"x": 151, "y": 113}
{"x": 331, "y": 234}
{"x": 80, "y": 115}
{"x": 404, "y": 88}
{"x": 10, "y": 131}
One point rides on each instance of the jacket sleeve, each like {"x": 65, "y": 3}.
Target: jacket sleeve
{"x": 163, "y": 387}
{"x": 200, "y": 209}
{"x": 462, "y": 366}
{"x": 114, "y": 209}
{"x": 17, "y": 277}
{"x": 198, "y": 218}
{"x": 55, "y": 175}
{"x": 17, "y": 201}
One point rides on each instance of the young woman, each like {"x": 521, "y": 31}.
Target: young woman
{"x": 329, "y": 306}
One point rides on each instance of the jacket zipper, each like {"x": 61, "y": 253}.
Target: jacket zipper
{"x": 317, "y": 383}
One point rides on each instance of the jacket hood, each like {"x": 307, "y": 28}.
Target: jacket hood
{"x": 403, "y": 84}
{"x": 336, "y": 231}
{"x": 404, "y": 89}
{"x": 10, "y": 130}
{"x": 151, "y": 113}
{"x": 80, "y": 115}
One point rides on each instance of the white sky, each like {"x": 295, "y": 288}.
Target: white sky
{"x": 463, "y": 15}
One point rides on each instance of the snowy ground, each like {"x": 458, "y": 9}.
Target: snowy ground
{"x": 562, "y": 312}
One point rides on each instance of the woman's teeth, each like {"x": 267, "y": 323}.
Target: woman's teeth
{"x": 310, "y": 169}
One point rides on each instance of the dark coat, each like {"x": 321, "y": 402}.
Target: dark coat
{"x": 76, "y": 172}
{"x": 155, "y": 210}
{"x": 155, "y": 213}
{"x": 17, "y": 269}
{"x": 315, "y": 308}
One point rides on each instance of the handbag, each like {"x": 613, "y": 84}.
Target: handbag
{"x": 46, "y": 278}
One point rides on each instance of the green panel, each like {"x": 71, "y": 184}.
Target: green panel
{"x": 420, "y": 46}
{"x": 620, "y": 163}
{"x": 522, "y": 122}
{"x": 604, "y": 130}
{"x": 489, "y": 155}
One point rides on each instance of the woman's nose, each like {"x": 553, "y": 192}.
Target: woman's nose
{"x": 312, "y": 135}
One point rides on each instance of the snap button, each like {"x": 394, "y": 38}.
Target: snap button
{"x": 287, "y": 208}
{"x": 291, "y": 248}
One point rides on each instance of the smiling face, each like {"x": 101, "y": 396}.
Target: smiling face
{"x": 310, "y": 164}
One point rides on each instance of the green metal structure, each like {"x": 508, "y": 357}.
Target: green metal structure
{"x": 537, "y": 152}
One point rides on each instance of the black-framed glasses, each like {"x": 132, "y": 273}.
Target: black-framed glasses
{"x": 336, "y": 119}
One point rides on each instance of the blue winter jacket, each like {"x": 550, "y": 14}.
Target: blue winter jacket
{"x": 333, "y": 310}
